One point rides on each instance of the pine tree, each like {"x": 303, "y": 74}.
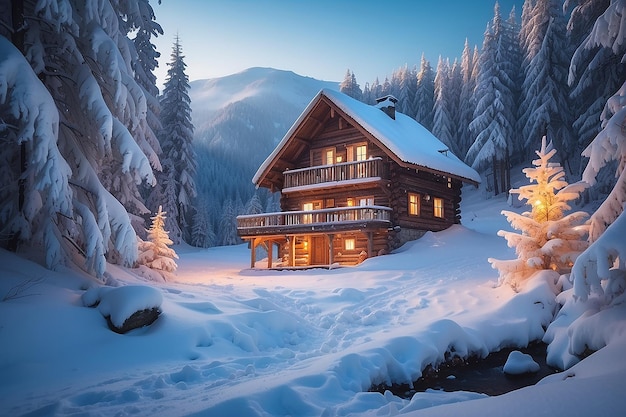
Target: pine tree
{"x": 443, "y": 125}
{"x": 228, "y": 224}
{"x": 549, "y": 238}
{"x": 176, "y": 139}
{"x": 100, "y": 130}
{"x": 495, "y": 98}
{"x": 202, "y": 234}
{"x": 601, "y": 269}
{"x": 350, "y": 87}
{"x": 425, "y": 95}
{"x": 466, "y": 107}
{"x": 406, "y": 91}
{"x": 155, "y": 253}
{"x": 594, "y": 75}
{"x": 545, "y": 107}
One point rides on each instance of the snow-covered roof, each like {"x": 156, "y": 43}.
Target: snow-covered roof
{"x": 403, "y": 136}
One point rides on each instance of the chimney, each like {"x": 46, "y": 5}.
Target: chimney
{"x": 388, "y": 105}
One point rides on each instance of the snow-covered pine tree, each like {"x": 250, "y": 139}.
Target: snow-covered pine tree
{"x": 466, "y": 103}
{"x": 425, "y": 95}
{"x": 550, "y": 238}
{"x": 602, "y": 267}
{"x": 101, "y": 130}
{"x": 594, "y": 75}
{"x": 202, "y": 234}
{"x": 155, "y": 253}
{"x": 443, "y": 124}
{"x": 407, "y": 87}
{"x": 545, "y": 108}
{"x": 350, "y": 87}
{"x": 228, "y": 224}
{"x": 176, "y": 138}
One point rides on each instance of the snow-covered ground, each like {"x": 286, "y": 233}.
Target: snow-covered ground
{"x": 238, "y": 342}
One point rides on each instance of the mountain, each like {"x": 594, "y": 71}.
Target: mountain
{"x": 238, "y": 121}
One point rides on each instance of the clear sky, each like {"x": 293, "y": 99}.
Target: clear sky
{"x": 319, "y": 38}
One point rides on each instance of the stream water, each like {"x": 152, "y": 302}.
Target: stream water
{"x": 476, "y": 375}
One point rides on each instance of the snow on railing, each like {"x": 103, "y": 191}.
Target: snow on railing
{"x": 314, "y": 217}
{"x": 345, "y": 171}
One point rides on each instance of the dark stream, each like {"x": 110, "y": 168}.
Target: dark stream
{"x": 476, "y": 375}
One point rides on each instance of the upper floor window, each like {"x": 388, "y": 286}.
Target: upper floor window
{"x": 329, "y": 156}
{"x": 438, "y": 207}
{"x": 360, "y": 201}
{"x": 361, "y": 152}
{"x": 414, "y": 204}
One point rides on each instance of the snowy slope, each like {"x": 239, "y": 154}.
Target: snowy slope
{"x": 232, "y": 341}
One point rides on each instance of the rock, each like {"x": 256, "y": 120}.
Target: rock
{"x": 127, "y": 307}
{"x": 136, "y": 320}
{"x": 520, "y": 363}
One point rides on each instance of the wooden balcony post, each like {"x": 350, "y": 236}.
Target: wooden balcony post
{"x": 331, "y": 249}
{"x": 270, "y": 246}
{"x": 252, "y": 252}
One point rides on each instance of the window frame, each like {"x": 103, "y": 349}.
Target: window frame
{"x": 438, "y": 209}
{"x": 417, "y": 204}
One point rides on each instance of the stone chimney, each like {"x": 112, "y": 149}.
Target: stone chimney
{"x": 388, "y": 105}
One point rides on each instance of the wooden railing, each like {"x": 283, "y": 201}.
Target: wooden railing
{"x": 345, "y": 171}
{"x": 295, "y": 219}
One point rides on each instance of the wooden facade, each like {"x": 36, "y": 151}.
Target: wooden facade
{"x": 345, "y": 196}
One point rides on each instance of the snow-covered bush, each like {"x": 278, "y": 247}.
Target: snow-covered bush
{"x": 155, "y": 253}
{"x": 549, "y": 238}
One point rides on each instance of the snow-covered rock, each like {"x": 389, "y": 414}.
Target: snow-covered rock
{"x": 125, "y": 308}
{"x": 520, "y": 363}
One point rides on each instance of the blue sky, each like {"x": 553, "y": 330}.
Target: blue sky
{"x": 319, "y": 38}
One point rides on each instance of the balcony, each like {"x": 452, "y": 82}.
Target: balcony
{"x": 315, "y": 221}
{"x": 324, "y": 176}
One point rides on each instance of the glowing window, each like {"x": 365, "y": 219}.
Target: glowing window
{"x": 330, "y": 157}
{"x": 414, "y": 204}
{"x": 438, "y": 207}
{"x": 361, "y": 152}
{"x": 349, "y": 244}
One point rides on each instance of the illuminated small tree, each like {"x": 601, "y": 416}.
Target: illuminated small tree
{"x": 155, "y": 253}
{"x": 549, "y": 238}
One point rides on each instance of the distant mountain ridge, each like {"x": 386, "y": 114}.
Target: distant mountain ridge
{"x": 238, "y": 120}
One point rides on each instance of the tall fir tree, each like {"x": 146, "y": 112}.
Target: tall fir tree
{"x": 594, "y": 74}
{"x": 466, "y": 103}
{"x": 493, "y": 124}
{"x": 406, "y": 91}
{"x": 82, "y": 126}
{"x": 425, "y": 95}
{"x": 545, "y": 105}
{"x": 176, "y": 138}
{"x": 350, "y": 87}
{"x": 443, "y": 124}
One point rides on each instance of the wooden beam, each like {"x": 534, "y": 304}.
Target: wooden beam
{"x": 270, "y": 247}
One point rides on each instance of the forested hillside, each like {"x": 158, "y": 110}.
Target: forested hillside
{"x": 250, "y": 111}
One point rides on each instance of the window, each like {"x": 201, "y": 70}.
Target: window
{"x": 349, "y": 244}
{"x": 438, "y": 207}
{"x": 361, "y": 152}
{"x": 329, "y": 156}
{"x": 307, "y": 218}
{"x": 414, "y": 204}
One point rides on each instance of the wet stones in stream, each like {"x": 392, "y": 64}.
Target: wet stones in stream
{"x": 485, "y": 375}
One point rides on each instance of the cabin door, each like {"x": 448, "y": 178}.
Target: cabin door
{"x": 319, "y": 250}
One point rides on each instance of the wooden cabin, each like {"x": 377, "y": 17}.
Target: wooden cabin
{"x": 356, "y": 181}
